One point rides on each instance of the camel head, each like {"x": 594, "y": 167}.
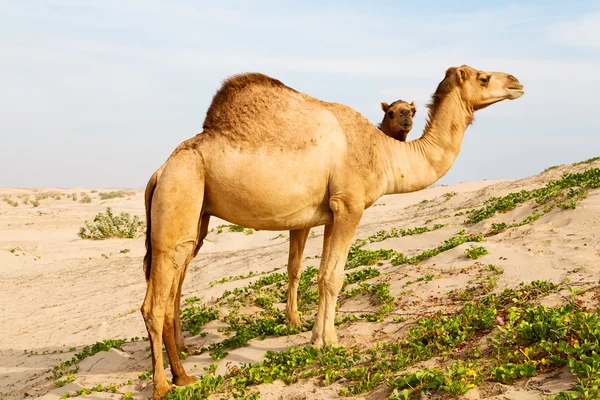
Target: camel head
{"x": 480, "y": 89}
{"x": 398, "y": 118}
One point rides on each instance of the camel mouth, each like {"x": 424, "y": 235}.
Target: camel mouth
{"x": 515, "y": 92}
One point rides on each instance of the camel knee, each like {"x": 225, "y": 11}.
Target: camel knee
{"x": 294, "y": 275}
{"x": 331, "y": 284}
{"x": 183, "y": 253}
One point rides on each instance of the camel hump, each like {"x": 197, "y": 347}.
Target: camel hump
{"x": 239, "y": 82}
{"x": 230, "y": 90}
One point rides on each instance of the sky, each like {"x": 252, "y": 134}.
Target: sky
{"x": 99, "y": 93}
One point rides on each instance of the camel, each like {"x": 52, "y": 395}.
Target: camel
{"x": 397, "y": 119}
{"x": 273, "y": 158}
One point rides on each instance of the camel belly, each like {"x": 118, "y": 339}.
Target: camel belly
{"x": 268, "y": 193}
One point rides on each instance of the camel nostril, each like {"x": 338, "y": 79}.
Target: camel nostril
{"x": 512, "y": 78}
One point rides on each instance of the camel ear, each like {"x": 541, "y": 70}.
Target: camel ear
{"x": 385, "y": 106}
{"x": 462, "y": 74}
{"x": 413, "y": 108}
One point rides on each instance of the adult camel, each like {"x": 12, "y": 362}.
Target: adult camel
{"x": 272, "y": 158}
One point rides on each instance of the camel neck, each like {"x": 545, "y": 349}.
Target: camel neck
{"x": 417, "y": 164}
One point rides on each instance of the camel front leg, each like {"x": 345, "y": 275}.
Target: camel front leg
{"x": 336, "y": 243}
{"x": 294, "y": 267}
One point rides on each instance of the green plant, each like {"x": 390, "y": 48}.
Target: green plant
{"x": 474, "y": 252}
{"x": 87, "y": 351}
{"x": 200, "y": 390}
{"x": 107, "y": 225}
{"x": 234, "y": 228}
{"x": 448, "y": 244}
{"x": 145, "y": 375}
{"x": 381, "y": 292}
{"x": 63, "y": 382}
{"x": 363, "y": 274}
{"x": 193, "y": 317}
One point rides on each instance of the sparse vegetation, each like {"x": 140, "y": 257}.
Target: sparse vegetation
{"x": 107, "y": 225}
{"x": 114, "y": 194}
{"x": 70, "y": 366}
{"x": 564, "y": 193}
{"x": 280, "y": 236}
{"x": 193, "y": 316}
{"x": 85, "y": 199}
{"x": 436, "y": 336}
{"x": 474, "y": 252}
{"x": 552, "y": 167}
{"x": 588, "y": 161}
{"x": 10, "y": 202}
{"x": 237, "y": 277}
{"x": 233, "y": 228}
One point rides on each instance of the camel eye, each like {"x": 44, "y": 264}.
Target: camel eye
{"x": 484, "y": 80}
{"x": 390, "y": 114}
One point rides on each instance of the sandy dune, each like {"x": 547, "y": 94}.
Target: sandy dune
{"x": 58, "y": 292}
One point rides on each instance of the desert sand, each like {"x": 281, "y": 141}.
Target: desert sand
{"x": 59, "y": 293}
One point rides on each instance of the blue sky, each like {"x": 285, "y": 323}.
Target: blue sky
{"x": 98, "y": 93}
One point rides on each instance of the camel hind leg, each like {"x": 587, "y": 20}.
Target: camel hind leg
{"x": 175, "y": 212}
{"x": 180, "y": 340}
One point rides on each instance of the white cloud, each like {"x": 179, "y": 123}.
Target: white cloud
{"x": 583, "y": 32}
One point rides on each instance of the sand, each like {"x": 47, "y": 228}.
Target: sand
{"x": 59, "y": 292}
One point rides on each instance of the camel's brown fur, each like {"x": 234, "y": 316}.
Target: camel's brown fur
{"x": 397, "y": 119}
{"x": 272, "y": 158}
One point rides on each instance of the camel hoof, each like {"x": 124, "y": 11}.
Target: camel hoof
{"x": 184, "y": 380}
{"x": 317, "y": 342}
{"x": 181, "y": 347}
{"x": 160, "y": 391}
{"x": 293, "y": 318}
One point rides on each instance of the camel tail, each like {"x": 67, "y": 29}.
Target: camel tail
{"x": 148, "y": 200}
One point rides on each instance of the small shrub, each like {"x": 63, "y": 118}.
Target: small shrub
{"x": 474, "y": 252}
{"x": 11, "y": 202}
{"x": 114, "y": 195}
{"x": 107, "y": 225}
